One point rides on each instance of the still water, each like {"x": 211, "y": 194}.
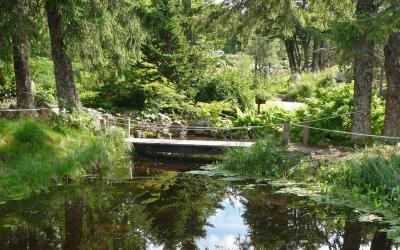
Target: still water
{"x": 167, "y": 209}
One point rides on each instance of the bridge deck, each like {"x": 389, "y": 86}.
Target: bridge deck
{"x": 190, "y": 143}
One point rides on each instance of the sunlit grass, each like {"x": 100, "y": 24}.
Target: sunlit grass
{"x": 34, "y": 155}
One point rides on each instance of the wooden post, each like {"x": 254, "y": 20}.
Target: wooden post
{"x": 306, "y": 132}
{"x": 286, "y": 132}
{"x": 129, "y": 127}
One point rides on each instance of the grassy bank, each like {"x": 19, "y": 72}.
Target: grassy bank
{"x": 367, "y": 179}
{"x": 34, "y": 155}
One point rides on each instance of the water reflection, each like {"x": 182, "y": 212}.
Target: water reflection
{"x": 179, "y": 211}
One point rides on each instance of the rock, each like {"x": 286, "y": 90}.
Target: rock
{"x": 176, "y": 128}
{"x": 340, "y": 77}
{"x": 202, "y": 122}
{"x": 219, "y": 53}
{"x": 48, "y": 110}
{"x": 164, "y": 119}
{"x": 294, "y": 78}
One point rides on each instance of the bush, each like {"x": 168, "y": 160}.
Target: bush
{"x": 42, "y": 73}
{"x": 76, "y": 121}
{"x": 7, "y": 81}
{"x": 229, "y": 85}
{"x": 271, "y": 117}
{"x": 30, "y": 134}
{"x": 372, "y": 173}
{"x": 334, "y": 101}
{"x": 215, "y": 111}
{"x": 300, "y": 90}
{"x": 265, "y": 158}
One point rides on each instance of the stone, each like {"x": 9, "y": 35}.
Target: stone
{"x": 294, "y": 78}
{"x": 176, "y": 128}
{"x": 219, "y": 53}
{"x": 202, "y": 122}
{"x": 340, "y": 77}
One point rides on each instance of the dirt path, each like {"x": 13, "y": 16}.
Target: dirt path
{"x": 288, "y": 106}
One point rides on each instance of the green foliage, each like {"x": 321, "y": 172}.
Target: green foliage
{"x": 215, "y": 111}
{"x": 30, "y": 134}
{"x": 335, "y": 101}
{"x": 266, "y": 157}
{"x": 35, "y": 155}
{"x": 42, "y": 73}
{"x": 300, "y": 90}
{"x": 271, "y": 118}
{"x": 373, "y": 173}
{"x": 7, "y": 82}
{"x": 75, "y": 121}
{"x": 229, "y": 85}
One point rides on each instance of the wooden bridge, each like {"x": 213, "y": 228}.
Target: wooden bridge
{"x": 186, "y": 147}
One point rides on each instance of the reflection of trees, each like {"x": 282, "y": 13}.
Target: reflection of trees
{"x": 274, "y": 224}
{"x": 168, "y": 210}
{"x": 180, "y": 212}
{"x": 352, "y": 235}
{"x": 381, "y": 242}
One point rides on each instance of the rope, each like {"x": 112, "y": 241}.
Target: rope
{"x": 23, "y": 110}
{"x": 334, "y": 116}
{"x": 345, "y": 132}
{"x": 208, "y": 128}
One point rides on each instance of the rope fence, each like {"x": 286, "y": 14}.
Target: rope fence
{"x": 26, "y": 110}
{"x": 128, "y": 123}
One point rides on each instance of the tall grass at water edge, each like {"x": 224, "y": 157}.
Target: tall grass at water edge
{"x": 34, "y": 155}
{"x": 267, "y": 158}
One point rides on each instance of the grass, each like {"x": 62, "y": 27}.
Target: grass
{"x": 34, "y": 155}
{"x": 266, "y": 158}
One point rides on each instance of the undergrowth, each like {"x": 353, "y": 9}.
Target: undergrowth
{"x": 266, "y": 158}
{"x": 34, "y": 155}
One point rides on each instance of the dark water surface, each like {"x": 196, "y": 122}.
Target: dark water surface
{"x": 176, "y": 210}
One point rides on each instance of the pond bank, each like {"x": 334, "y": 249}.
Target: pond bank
{"x": 35, "y": 155}
{"x": 366, "y": 179}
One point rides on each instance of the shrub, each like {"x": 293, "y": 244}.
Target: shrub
{"x": 30, "y": 133}
{"x": 215, "y": 111}
{"x": 334, "y": 101}
{"x": 75, "y": 120}
{"x": 271, "y": 117}
{"x": 300, "y": 90}
{"x": 229, "y": 85}
{"x": 372, "y": 173}
{"x": 265, "y": 158}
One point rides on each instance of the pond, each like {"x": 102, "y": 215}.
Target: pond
{"x": 167, "y": 209}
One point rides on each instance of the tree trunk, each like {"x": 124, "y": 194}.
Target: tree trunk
{"x": 314, "y": 63}
{"x": 392, "y": 70}
{"x": 74, "y": 217}
{"x": 381, "y": 242}
{"x": 321, "y": 55}
{"x": 352, "y": 236}
{"x": 290, "y": 50}
{"x": 24, "y": 85}
{"x": 66, "y": 90}
{"x": 363, "y": 76}
{"x": 298, "y": 56}
{"x": 306, "y": 45}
